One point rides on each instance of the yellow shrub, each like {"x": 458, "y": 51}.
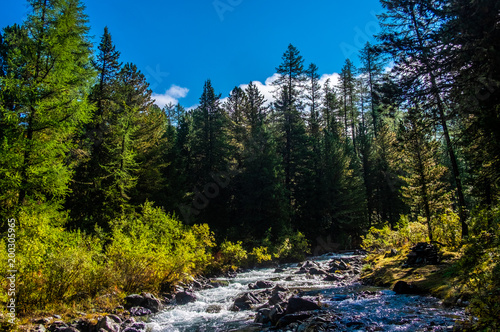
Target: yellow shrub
{"x": 259, "y": 255}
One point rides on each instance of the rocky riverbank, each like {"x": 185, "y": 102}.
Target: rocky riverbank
{"x": 422, "y": 270}
{"x": 320, "y": 294}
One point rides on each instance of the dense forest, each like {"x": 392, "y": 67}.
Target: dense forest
{"x": 110, "y": 191}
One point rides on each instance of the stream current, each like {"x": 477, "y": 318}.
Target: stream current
{"x": 350, "y": 305}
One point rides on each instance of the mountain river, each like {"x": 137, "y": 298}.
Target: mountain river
{"x": 347, "y": 305}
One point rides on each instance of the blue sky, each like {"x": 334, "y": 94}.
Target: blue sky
{"x": 180, "y": 44}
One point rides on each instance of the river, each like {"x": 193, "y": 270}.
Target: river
{"x": 349, "y": 305}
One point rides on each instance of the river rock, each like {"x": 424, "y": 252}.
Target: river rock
{"x": 279, "y": 270}
{"x": 276, "y": 313}
{"x": 218, "y": 283}
{"x": 277, "y": 298}
{"x": 333, "y": 277}
{"x": 42, "y": 321}
{"x": 244, "y": 302}
{"x": 292, "y": 318}
{"x": 309, "y": 264}
{"x": 108, "y": 324}
{"x": 262, "y": 316}
{"x": 55, "y": 326}
{"x": 184, "y": 298}
{"x": 261, "y": 285}
{"x": 214, "y": 309}
{"x": 140, "y": 311}
{"x": 133, "y": 300}
{"x": 68, "y": 329}
{"x": 145, "y": 300}
{"x": 139, "y": 326}
{"x": 402, "y": 287}
{"x": 316, "y": 271}
{"x": 337, "y": 265}
{"x": 39, "y": 328}
{"x": 296, "y": 304}
{"x": 117, "y": 319}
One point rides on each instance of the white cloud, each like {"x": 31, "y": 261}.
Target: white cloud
{"x": 267, "y": 89}
{"x": 172, "y": 95}
{"x": 334, "y": 79}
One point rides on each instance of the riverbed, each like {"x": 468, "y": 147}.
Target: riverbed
{"x": 346, "y": 304}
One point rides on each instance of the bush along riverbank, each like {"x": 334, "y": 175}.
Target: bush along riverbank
{"x": 69, "y": 274}
{"x": 462, "y": 273}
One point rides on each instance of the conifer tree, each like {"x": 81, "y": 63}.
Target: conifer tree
{"x": 424, "y": 190}
{"x": 260, "y": 201}
{"x": 87, "y": 185}
{"x": 46, "y": 74}
{"x": 411, "y": 34}
{"x": 288, "y": 109}
{"x": 347, "y": 84}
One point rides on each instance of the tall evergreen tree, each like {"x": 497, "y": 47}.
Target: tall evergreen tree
{"x": 372, "y": 69}
{"x": 347, "y": 85}
{"x": 411, "y": 34}
{"x": 87, "y": 184}
{"x": 260, "y": 201}
{"x": 46, "y": 75}
{"x": 288, "y": 110}
{"x": 424, "y": 189}
{"x": 210, "y": 156}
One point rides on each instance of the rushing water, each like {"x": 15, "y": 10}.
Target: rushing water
{"x": 354, "y": 307}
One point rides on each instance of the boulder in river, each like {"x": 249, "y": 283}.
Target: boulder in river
{"x": 296, "y": 304}
{"x": 184, "y": 298}
{"x": 261, "y": 285}
{"x": 316, "y": 271}
{"x": 402, "y": 287}
{"x": 244, "y": 302}
{"x": 292, "y": 318}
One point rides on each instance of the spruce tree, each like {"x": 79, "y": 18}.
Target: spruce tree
{"x": 288, "y": 108}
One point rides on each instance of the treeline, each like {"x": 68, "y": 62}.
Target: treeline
{"x": 414, "y": 131}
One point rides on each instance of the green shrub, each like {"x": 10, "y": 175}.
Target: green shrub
{"x": 153, "y": 249}
{"x": 383, "y": 239}
{"x": 292, "y": 248}
{"x": 259, "y": 255}
{"x": 447, "y": 230}
{"x": 480, "y": 270}
{"x": 232, "y": 255}
{"x": 57, "y": 267}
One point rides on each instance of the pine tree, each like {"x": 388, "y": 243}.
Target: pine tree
{"x": 372, "y": 69}
{"x": 411, "y": 35}
{"x": 260, "y": 202}
{"x": 46, "y": 73}
{"x": 87, "y": 185}
{"x": 347, "y": 84}
{"x": 210, "y": 151}
{"x": 424, "y": 190}
{"x": 288, "y": 111}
